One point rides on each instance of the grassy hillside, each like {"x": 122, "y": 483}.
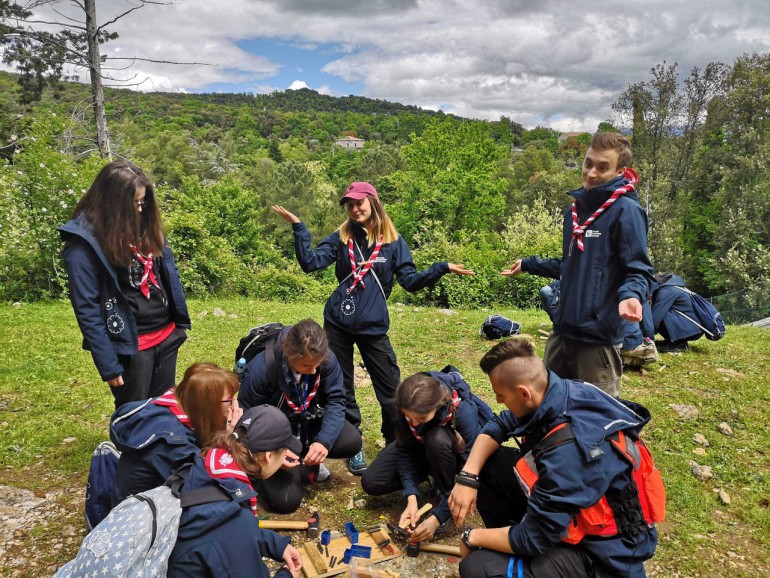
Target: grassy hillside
{"x": 54, "y": 410}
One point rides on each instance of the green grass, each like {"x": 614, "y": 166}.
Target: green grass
{"x": 54, "y": 410}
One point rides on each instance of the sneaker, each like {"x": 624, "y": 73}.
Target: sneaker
{"x": 644, "y": 354}
{"x": 357, "y": 464}
{"x": 323, "y": 473}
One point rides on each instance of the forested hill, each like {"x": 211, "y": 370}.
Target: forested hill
{"x": 302, "y": 113}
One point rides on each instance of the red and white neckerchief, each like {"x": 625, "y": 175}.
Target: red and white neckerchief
{"x": 220, "y": 464}
{"x": 303, "y": 403}
{"x": 358, "y": 275}
{"x": 446, "y": 420}
{"x": 578, "y": 230}
{"x": 148, "y": 275}
{"x": 168, "y": 400}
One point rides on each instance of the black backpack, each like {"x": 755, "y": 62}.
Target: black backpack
{"x": 258, "y": 339}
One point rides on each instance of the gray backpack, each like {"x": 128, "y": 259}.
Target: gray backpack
{"x": 136, "y": 538}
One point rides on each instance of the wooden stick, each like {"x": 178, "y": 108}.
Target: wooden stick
{"x": 282, "y": 525}
{"x": 420, "y": 512}
{"x": 440, "y": 549}
{"x": 315, "y": 558}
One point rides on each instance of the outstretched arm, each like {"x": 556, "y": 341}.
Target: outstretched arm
{"x": 459, "y": 269}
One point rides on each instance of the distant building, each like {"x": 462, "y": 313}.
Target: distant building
{"x": 565, "y": 135}
{"x": 350, "y": 142}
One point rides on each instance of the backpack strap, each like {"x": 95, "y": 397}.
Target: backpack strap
{"x": 559, "y": 435}
{"x": 270, "y": 361}
{"x": 196, "y": 497}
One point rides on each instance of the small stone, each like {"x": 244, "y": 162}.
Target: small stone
{"x": 233, "y": 316}
{"x": 17, "y": 304}
{"x": 202, "y": 314}
{"x": 416, "y": 309}
{"x": 219, "y": 312}
{"x": 360, "y": 503}
{"x": 447, "y": 312}
{"x": 703, "y": 473}
{"x": 351, "y": 504}
{"x": 724, "y": 497}
{"x": 686, "y": 412}
{"x": 701, "y": 440}
{"x": 725, "y": 429}
{"x": 699, "y": 451}
{"x": 68, "y": 440}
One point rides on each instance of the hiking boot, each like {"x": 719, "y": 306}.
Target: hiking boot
{"x": 644, "y": 354}
{"x": 357, "y": 464}
{"x": 323, "y": 473}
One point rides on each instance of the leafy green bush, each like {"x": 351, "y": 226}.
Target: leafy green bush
{"x": 39, "y": 191}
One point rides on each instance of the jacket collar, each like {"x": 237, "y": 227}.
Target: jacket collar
{"x": 592, "y": 199}
{"x": 83, "y": 228}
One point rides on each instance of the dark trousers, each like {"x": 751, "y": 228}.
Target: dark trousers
{"x": 561, "y": 561}
{"x": 595, "y": 363}
{"x": 151, "y": 372}
{"x": 437, "y": 459}
{"x": 380, "y": 361}
{"x": 282, "y": 492}
{"x": 501, "y": 502}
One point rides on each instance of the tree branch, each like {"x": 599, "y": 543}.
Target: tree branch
{"x": 134, "y": 58}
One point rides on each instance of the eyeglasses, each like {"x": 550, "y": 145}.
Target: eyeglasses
{"x": 230, "y": 401}
{"x": 142, "y": 204}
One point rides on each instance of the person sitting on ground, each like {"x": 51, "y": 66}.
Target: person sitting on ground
{"x": 300, "y": 376}
{"x": 158, "y": 435}
{"x": 224, "y": 538}
{"x": 604, "y": 268}
{"x": 567, "y": 503}
{"x": 439, "y": 419}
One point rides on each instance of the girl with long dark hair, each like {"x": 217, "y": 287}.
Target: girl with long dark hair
{"x": 124, "y": 284}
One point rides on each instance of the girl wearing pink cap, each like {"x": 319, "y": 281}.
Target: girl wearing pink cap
{"x": 367, "y": 253}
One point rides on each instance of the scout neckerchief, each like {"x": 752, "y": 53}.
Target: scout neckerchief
{"x": 220, "y": 464}
{"x": 453, "y": 405}
{"x": 168, "y": 400}
{"x": 578, "y": 230}
{"x": 304, "y": 397}
{"x": 358, "y": 275}
{"x": 148, "y": 275}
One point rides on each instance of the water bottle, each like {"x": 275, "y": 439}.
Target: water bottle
{"x": 240, "y": 367}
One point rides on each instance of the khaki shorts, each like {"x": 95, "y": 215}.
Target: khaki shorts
{"x": 595, "y": 363}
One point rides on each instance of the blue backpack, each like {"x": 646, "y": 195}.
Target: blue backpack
{"x": 496, "y": 327}
{"x": 708, "y": 318}
{"x": 101, "y": 476}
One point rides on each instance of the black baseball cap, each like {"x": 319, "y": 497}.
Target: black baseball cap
{"x": 268, "y": 430}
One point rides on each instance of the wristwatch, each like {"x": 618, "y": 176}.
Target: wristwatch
{"x": 465, "y": 537}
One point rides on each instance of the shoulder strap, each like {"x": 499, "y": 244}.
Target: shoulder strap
{"x": 213, "y": 493}
{"x": 270, "y": 361}
{"x": 558, "y": 436}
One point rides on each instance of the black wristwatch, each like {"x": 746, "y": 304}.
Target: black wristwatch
{"x": 465, "y": 537}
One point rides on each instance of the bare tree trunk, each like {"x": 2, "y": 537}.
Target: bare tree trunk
{"x": 95, "y": 72}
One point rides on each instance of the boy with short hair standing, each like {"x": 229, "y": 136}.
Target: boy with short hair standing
{"x": 604, "y": 269}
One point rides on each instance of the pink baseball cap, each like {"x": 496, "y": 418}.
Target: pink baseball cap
{"x": 358, "y": 191}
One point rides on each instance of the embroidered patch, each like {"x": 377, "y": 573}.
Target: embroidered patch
{"x": 115, "y": 323}
{"x": 348, "y": 306}
{"x": 225, "y": 460}
{"x": 99, "y": 543}
{"x": 593, "y": 233}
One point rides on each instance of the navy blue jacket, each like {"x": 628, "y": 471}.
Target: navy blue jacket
{"x": 153, "y": 444}
{"x": 666, "y": 301}
{"x": 471, "y": 415}
{"x": 613, "y": 267}
{"x": 222, "y": 538}
{"x": 258, "y": 388}
{"x": 102, "y": 312}
{"x": 576, "y": 475}
{"x": 368, "y": 314}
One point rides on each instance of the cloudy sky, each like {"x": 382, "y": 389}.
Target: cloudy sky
{"x": 557, "y": 63}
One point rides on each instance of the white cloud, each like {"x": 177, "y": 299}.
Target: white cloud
{"x": 555, "y": 62}
{"x": 297, "y": 84}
